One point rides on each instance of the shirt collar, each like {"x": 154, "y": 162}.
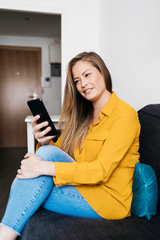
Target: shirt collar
{"x": 108, "y": 108}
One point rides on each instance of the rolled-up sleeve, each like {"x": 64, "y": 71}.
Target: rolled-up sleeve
{"x": 78, "y": 173}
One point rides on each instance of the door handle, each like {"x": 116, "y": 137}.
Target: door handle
{"x": 34, "y": 96}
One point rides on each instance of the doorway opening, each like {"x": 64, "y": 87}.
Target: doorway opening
{"x": 33, "y": 30}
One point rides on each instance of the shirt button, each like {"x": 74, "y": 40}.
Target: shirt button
{"x": 68, "y": 183}
{"x": 60, "y": 184}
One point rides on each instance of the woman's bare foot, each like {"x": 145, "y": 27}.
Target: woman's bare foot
{"x": 7, "y": 233}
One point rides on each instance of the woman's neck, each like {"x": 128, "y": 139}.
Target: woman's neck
{"x": 99, "y": 105}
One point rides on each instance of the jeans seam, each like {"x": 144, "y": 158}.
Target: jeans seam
{"x": 68, "y": 195}
{"x": 30, "y": 203}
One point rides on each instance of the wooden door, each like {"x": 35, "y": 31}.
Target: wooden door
{"x": 20, "y": 77}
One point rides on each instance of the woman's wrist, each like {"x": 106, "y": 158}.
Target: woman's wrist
{"x": 45, "y": 143}
{"x": 48, "y": 168}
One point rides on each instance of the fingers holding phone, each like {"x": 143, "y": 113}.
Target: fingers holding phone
{"x": 40, "y": 135}
{"x": 43, "y": 127}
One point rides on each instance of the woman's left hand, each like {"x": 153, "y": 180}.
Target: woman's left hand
{"x": 31, "y": 167}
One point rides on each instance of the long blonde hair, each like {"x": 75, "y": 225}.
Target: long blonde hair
{"x": 77, "y": 112}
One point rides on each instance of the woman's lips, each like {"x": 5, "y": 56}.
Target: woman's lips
{"x": 87, "y": 90}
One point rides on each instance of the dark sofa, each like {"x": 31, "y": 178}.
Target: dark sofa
{"x": 48, "y": 225}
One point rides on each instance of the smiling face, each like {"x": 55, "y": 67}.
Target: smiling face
{"x": 89, "y": 81}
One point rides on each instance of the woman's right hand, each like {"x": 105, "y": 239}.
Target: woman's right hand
{"x": 40, "y": 135}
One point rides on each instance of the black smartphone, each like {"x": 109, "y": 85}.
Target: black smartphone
{"x": 37, "y": 107}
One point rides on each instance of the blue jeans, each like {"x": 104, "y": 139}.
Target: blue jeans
{"x": 28, "y": 195}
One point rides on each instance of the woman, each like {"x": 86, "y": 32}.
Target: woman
{"x": 89, "y": 171}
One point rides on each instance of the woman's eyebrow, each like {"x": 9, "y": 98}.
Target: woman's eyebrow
{"x": 75, "y": 78}
{"x": 86, "y": 71}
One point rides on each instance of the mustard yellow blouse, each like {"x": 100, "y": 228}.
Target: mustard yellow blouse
{"x": 103, "y": 169}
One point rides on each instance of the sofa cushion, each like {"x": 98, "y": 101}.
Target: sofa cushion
{"x": 145, "y": 191}
{"x": 48, "y": 225}
{"x": 149, "y": 117}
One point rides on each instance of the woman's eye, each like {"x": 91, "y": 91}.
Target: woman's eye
{"x": 87, "y": 74}
{"x": 76, "y": 81}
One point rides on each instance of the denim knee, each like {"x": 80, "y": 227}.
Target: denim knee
{"x": 42, "y": 150}
{"x": 46, "y": 151}
{"x": 53, "y": 154}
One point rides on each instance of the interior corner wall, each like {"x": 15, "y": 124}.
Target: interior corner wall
{"x": 130, "y": 46}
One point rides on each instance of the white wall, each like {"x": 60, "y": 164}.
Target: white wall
{"x": 130, "y": 46}
{"x": 80, "y": 25}
{"x": 125, "y": 33}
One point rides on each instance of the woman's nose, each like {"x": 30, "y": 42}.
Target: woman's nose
{"x": 83, "y": 82}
